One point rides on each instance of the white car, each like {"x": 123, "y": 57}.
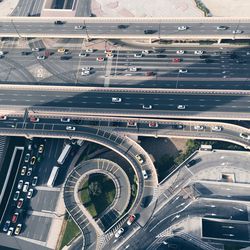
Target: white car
{"x": 245, "y": 136}
{"x": 30, "y": 193}
{"x": 40, "y": 57}
{"x": 183, "y": 70}
{"x": 137, "y": 55}
{"x": 181, "y": 107}
{"x": 133, "y": 69}
{"x": 70, "y": 128}
{"x": 116, "y": 99}
{"x": 65, "y": 119}
{"x": 20, "y": 184}
{"x": 147, "y": 106}
{"x": 131, "y": 124}
{"x": 85, "y": 73}
{"x": 35, "y": 49}
{"x": 119, "y": 232}
{"x": 26, "y": 187}
{"x": 180, "y": 52}
{"x": 198, "y": 52}
{"x": 145, "y": 175}
{"x": 3, "y": 117}
{"x": 82, "y": 54}
{"x": 79, "y": 27}
{"x": 23, "y": 171}
{"x": 10, "y": 231}
{"x": 217, "y": 128}
{"x": 198, "y": 127}
{"x": 89, "y": 50}
{"x": 181, "y": 28}
{"x": 145, "y": 52}
{"x": 237, "y": 31}
{"x": 1, "y": 53}
{"x": 86, "y": 68}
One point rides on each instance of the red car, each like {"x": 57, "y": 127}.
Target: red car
{"x": 176, "y": 60}
{"x": 153, "y": 124}
{"x": 34, "y": 119}
{"x": 131, "y": 219}
{"x": 149, "y": 73}
{"x": 100, "y": 59}
{"x": 14, "y": 217}
{"x": 20, "y": 203}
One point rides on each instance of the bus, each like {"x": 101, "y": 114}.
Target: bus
{"x": 52, "y": 177}
{"x": 64, "y": 154}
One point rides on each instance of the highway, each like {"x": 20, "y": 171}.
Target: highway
{"x": 100, "y": 102}
{"x": 218, "y": 68}
{"x": 134, "y": 28}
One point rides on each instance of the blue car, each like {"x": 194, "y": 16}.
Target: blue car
{"x": 6, "y": 226}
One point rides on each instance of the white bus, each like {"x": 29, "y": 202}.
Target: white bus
{"x": 52, "y": 177}
{"x": 64, "y": 154}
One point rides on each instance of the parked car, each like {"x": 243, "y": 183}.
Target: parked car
{"x": 20, "y": 203}
{"x": 119, "y": 232}
{"x": 30, "y": 193}
{"x": 26, "y": 187}
{"x": 20, "y": 184}
{"x": 131, "y": 219}
{"x": 33, "y": 160}
{"x": 41, "y": 149}
{"x": 29, "y": 172}
{"x": 23, "y": 171}
{"x": 16, "y": 195}
{"x": 27, "y": 157}
{"x": 10, "y": 231}
{"x": 14, "y": 217}
{"x": 34, "y": 181}
{"x": 6, "y": 226}
{"x": 18, "y": 229}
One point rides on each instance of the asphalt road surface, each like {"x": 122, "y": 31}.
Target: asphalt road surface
{"x": 215, "y": 69}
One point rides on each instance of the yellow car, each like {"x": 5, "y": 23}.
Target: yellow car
{"x": 61, "y": 50}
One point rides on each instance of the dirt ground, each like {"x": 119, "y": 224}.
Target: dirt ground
{"x": 162, "y": 146}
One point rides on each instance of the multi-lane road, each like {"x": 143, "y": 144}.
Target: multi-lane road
{"x": 217, "y": 68}
{"x": 155, "y": 28}
{"x": 132, "y": 102}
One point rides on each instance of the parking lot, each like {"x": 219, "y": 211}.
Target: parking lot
{"x": 32, "y": 204}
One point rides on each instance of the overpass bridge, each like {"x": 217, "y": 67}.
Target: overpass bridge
{"x": 126, "y": 28}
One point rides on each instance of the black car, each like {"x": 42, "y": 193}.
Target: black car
{"x": 161, "y": 56}
{"x": 204, "y": 56}
{"x": 178, "y": 126}
{"x": 25, "y": 53}
{"x": 66, "y": 57}
{"x": 59, "y": 22}
{"x": 147, "y": 32}
{"x": 208, "y": 60}
{"x": 193, "y": 162}
{"x": 122, "y": 26}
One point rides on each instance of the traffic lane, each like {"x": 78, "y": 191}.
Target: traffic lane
{"x": 44, "y": 200}
{"x": 130, "y": 101}
{"x": 133, "y": 28}
{"x": 36, "y": 227}
{"x": 225, "y": 230}
{"x": 187, "y": 84}
{"x": 214, "y": 190}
